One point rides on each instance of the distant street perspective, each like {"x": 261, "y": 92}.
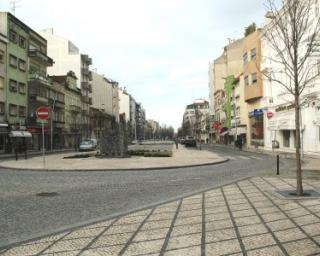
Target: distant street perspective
{"x": 143, "y": 128}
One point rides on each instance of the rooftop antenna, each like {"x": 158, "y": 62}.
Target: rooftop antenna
{"x": 14, "y": 6}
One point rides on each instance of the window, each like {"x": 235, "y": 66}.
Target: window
{"x": 22, "y": 111}
{"x": 2, "y": 108}
{"x": 13, "y": 61}
{"x": 1, "y": 82}
{"x": 13, "y": 85}
{"x": 246, "y": 80}
{"x": 254, "y": 78}
{"x": 22, "y": 65}
{"x": 286, "y": 138}
{"x": 1, "y": 56}
{"x": 22, "y": 42}
{"x": 22, "y": 88}
{"x": 13, "y": 36}
{"x": 253, "y": 54}
{"x": 245, "y": 58}
{"x": 13, "y": 110}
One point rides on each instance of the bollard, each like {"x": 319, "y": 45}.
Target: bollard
{"x": 278, "y": 165}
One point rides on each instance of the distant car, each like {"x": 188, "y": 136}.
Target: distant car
{"x": 190, "y": 142}
{"x": 88, "y": 145}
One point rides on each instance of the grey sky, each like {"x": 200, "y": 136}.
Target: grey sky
{"x": 158, "y": 49}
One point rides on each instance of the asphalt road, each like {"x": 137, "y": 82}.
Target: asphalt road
{"x": 87, "y": 196}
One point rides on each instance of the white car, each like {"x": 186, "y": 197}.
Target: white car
{"x": 88, "y": 144}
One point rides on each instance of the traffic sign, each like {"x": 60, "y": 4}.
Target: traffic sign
{"x": 269, "y": 115}
{"x": 42, "y": 113}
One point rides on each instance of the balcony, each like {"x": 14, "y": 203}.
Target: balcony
{"x": 40, "y": 57}
{"x": 75, "y": 108}
{"x": 87, "y": 100}
{"x": 86, "y": 86}
{"x": 85, "y": 58}
{"x": 85, "y": 112}
{"x": 37, "y": 77}
{"x": 85, "y": 71}
{"x": 253, "y": 92}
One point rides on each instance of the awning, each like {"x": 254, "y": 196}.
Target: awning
{"x": 239, "y": 130}
{"x": 224, "y": 133}
{"x": 21, "y": 134}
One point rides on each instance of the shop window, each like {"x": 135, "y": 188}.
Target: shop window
{"x": 13, "y": 36}
{"x": 246, "y": 80}
{"x": 254, "y": 78}
{"x": 22, "y": 111}
{"x": 2, "y": 108}
{"x": 286, "y": 138}
{"x": 256, "y": 123}
{"x": 13, "y": 110}
{"x": 22, "y": 42}
{"x": 22, "y": 88}
{"x": 1, "y": 82}
{"x": 253, "y": 54}
{"x": 13, "y": 85}
{"x": 1, "y": 56}
{"x": 13, "y": 61}
{"x": 22, "y": 65}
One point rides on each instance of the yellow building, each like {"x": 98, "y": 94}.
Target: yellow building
{"x": 253, "y": 88}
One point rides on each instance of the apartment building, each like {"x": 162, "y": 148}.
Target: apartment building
{"x": 67, "y": 58}
{"x": 253, "y": 88}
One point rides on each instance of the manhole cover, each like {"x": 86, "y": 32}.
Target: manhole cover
{"x": 47, "y": 194}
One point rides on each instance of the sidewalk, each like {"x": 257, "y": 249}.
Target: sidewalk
{"x": 181, "y": 158}
{"x": 309, "y": 162}
{"x": 242, "y": 218}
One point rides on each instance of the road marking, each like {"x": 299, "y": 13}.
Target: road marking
{"x": 256, "y": 157}
{"x": 243, "y": 157}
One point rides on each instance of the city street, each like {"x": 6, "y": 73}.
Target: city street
{"x": 76, "y": 198}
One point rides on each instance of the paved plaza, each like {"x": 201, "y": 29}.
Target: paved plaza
{"x": 242, "y": 218}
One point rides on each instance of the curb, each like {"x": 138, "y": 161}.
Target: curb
{"x": 113, "y": 170}
{"x": 115, "y": 215}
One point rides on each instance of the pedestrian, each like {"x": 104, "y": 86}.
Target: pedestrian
{"x": 240, "y": 143}
{"x": 177, "y": 143}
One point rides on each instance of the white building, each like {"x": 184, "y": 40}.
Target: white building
{"x": 67, "y": 57}
{"x": 124, "y": 104}
{"x": 279, "y": 109}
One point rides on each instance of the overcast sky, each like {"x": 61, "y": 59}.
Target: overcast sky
{"x": 158, "y": 49}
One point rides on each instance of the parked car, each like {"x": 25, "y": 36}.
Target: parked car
{"x": 190, "y": 142}
{"x": 88, "y": 144}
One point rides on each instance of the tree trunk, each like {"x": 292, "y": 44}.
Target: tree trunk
{"x": 298, "y": 146}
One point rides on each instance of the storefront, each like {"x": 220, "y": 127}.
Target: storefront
{"x": 256, "y": 127}
{"x": 4, "y": 138}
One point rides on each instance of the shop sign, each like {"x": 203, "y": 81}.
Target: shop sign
{"x": 256, "y": 112}
{"x": 285, "y": 108}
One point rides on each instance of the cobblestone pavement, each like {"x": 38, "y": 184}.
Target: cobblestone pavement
{"x": 243, "y": 218}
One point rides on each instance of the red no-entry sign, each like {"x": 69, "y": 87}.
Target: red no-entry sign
{"x": 42, "y": 113}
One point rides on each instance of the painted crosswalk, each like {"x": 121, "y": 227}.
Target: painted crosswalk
{"x": 244, "y": 158}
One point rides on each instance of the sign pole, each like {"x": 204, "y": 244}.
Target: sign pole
{"x": 43, "y": 151}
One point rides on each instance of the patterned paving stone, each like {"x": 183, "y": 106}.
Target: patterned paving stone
{"x": 312, "y": 229}
{"x": 186, "y": 229}
{"x": 289, "y": 235}
{"x": 191, "y": 251}
{"x": 270, "y": 251}
{"x": 222, "y": 248}
{"x": 220, "y": 235}
{"x": 151, "y": 234}
{"x": 252, "y": 229}
{"x": 302, "y": 247}
{"x": 258, "y": 241}
{"x": 280, "y": 225}
{"x": 184, "y": 241}
{"x": 146, "y": 247}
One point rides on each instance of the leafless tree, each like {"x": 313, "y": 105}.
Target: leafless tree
{"x": 293, "y": 36}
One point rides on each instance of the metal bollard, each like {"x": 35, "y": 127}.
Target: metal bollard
{"x": 278, "y": 165}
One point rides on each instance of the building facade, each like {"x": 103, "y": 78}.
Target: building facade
{"x": 67, "y": 58}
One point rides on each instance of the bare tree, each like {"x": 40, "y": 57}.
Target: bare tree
{"x": 293, "y": 36}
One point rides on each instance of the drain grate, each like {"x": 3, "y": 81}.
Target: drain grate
{"x": 47, "y": 194}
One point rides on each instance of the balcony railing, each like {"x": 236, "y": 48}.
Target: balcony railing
{"x": 41, "y": 57}
{"x": 86, "y": 86}
{"x": 75, "y": 108}
{"x": 86, "y": 59}
{"x": 40, "y": 78}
